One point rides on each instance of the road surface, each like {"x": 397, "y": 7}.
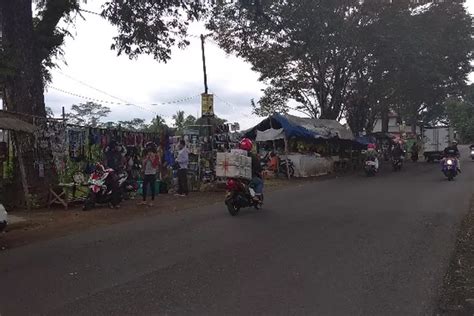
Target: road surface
{"x": 346, "y": 246}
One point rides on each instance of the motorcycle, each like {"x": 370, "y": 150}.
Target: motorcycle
{"x": 370, "y": 167}
{"x": 450, "y": 168}
{"x": 472, "y": 153}
{"x": 397, "y": 163}
{"x": 3, "y": 218}
{"x": 282, "y": 170}
{"x": 106, "y": 187}
{"x": 240, "y": 194}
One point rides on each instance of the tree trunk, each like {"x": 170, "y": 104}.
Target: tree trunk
{"x": 23, "y": 86}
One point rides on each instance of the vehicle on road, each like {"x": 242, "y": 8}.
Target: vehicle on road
{"x": 240, "y": 194}
{"x": 105, "y": 187}
{"x": 471, "y": 149}
{"x": 450, "y": 167}
{"x": 371, "y": 167}
{"x": 3, "y": 218}
{"x": 435, "y": 139}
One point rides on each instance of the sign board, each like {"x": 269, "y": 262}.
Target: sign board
{"x": 207, "y": 104}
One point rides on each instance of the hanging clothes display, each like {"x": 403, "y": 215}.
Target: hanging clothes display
{"x": 77, "y": 142}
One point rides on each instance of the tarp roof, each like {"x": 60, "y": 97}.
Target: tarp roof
{"x": 300, "y": 127}
{"x": 13, "y": 124}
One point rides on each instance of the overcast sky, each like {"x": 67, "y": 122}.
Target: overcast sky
{"x": 92, "y": 66}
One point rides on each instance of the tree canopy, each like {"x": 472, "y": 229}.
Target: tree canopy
{"x": 351, "y": 59}
{"x": 88, "y": 114}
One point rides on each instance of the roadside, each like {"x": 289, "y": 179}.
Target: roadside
{"x": 52, "y": 223}
{"x": 457, "y": 294}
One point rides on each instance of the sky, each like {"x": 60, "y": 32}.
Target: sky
{"x": 91, "y": 70}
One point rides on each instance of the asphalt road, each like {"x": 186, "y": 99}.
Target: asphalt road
{"x": 347, "y": 246}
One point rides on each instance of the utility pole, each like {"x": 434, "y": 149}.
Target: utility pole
{"x": 210, "y": 112}
{"x": 206, "y": 90}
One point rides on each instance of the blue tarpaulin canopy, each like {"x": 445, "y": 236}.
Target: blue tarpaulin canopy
{"x": 299, "y": 127}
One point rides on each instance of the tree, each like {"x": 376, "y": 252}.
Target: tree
{"x": 158, "y": 124}
{"x": 461, "y": 114}
{"x": 88, "y": 114}
{"x": 181, "y": 122}
{"x": 49, "y": 112}
{"x": 304, "y": 50}
{"x": 136, "y": 124}
{"x": 271, "y": 102}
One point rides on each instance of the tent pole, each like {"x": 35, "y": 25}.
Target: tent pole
{"x": 286, "y": 158}
{"x": 273, "y": 141}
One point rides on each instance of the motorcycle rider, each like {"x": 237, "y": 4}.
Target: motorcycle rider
{"x": 257, "y": 178}
{"x": 453, "y": 152}
{"x": 372, "y": 154}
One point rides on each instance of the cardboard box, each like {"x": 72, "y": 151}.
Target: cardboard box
{"x": 230, "y": 165}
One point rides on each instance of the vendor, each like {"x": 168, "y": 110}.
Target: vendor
{"x": 273, "y": 162}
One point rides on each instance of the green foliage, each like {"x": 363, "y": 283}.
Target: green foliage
{"x": 351, "y": 59}
{"x": 157, "y": 125}
{"x": 87, "y": 114}
{"x": 273, "y": 101}
{"x": 461, "y": 115}
{"x": 181, "y": 122}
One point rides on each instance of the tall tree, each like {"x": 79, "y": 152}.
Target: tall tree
{"x": 158, "y": 124}
{"x": 304, "y": 50}
{"x": 88, "y": 114}
{"x": 461, "y": 114}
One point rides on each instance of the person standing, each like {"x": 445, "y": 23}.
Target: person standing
{"x": 182, "y": 163}
{"x": 150, "y": 166}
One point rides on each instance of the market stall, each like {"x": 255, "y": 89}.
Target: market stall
{"x": 313, "y": 146}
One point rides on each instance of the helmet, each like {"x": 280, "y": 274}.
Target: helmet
{"x": 246, "y": 144}
{"x": 371, "y": 146}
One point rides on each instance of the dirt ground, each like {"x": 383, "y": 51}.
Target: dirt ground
{"x": 56, "y": 222}
{"x": 457, "y": 296}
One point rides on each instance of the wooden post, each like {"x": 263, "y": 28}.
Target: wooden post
{"x": 21, "y": 163}
{"x": 273, "y": 141}
{"x": 286, "y": 158}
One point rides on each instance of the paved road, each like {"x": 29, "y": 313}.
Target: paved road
{"x": 348, "y": 246}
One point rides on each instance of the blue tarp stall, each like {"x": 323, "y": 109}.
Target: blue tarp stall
{"x": 279, "y": 126}
{"x": 289, "y": 127}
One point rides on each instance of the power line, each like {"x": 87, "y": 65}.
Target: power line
{"x": 126, "y": 102}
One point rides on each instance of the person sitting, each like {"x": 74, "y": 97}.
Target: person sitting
{"x": 273, "y": 162}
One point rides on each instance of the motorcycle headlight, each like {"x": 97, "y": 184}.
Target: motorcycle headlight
{"x": 472, "y": 152}
{"x": 449, "y": 162}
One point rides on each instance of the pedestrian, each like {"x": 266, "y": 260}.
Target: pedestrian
{"x": 182, "y": 165}
{"x": 150, "y": 166}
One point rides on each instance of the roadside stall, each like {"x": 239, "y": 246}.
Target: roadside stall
{"x": 312, "y": 147}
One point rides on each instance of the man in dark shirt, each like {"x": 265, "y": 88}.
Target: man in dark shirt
{"x": 453, "y": 152}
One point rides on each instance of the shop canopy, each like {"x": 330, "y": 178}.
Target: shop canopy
{"x": 280, "y": 126}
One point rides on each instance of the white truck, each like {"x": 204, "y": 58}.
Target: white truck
{"x": 435, "y": 140}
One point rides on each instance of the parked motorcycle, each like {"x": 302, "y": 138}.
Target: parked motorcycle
{"x": 105, "y": 187}
{"x": 370, "y": 166}
{"x": 3, "y": 218}
{"x": 450, "y": 168}
{"x": 240, "y": 194}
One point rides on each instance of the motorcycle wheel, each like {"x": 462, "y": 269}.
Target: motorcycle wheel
{"x": 233, "y": 209}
